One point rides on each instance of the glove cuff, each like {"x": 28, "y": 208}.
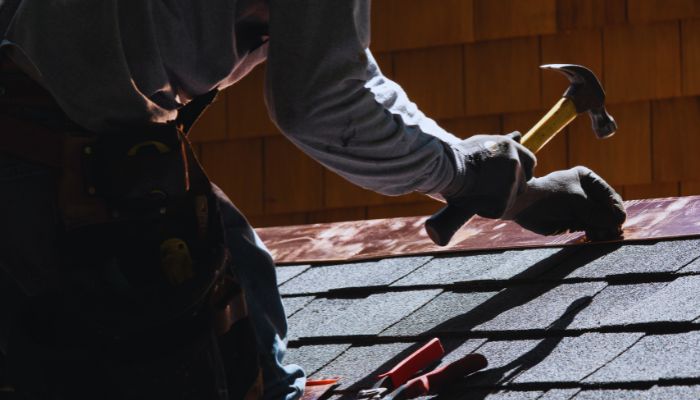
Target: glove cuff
{"x": 464, "y": 175}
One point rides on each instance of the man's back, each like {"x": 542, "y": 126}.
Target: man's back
{"x": 116, "y": 63}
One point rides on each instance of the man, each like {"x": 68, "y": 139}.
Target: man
{"x": 117, "y": 66}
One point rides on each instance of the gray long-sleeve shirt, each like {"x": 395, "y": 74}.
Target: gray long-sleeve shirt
{"x": 113, "y": 63}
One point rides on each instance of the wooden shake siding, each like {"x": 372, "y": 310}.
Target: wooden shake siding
{"x": 473, "y": 66}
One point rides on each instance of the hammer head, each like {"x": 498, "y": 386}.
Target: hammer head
{"x": 588, "y": 96}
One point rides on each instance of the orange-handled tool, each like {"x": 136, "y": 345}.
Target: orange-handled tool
{"x": 419, "y": 360}
{"x": 437, "y": 379}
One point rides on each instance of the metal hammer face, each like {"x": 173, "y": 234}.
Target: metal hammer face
{"x": 588, "y": 96}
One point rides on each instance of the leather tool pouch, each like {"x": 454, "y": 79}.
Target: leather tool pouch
{"x": 140, "y": 206}
{"x": 136, "y": 175}
{"x": 147, "y": 294}
{"x": 112, "y": 178}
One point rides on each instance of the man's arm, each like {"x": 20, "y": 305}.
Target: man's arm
{"x": 326, "y": 93}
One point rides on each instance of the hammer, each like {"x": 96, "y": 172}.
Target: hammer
{"x": 585, "y": 94}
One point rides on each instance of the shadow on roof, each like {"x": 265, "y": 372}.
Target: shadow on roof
{"x": 557, "y": 266}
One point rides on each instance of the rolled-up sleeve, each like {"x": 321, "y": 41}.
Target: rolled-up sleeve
{"x": 326, "y": 93}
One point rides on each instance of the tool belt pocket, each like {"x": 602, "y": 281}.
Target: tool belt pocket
{"x": 127, "y": 176}
{"x": 139, "y": 209}
{"x": 134, "y": 175}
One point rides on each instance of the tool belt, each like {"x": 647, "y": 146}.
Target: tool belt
{"x": 145, "y": 264}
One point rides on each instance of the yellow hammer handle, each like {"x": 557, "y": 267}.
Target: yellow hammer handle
{"x": 552, "y": 123}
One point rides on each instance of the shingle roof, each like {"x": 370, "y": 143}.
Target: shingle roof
{"x": 595, "y": 321}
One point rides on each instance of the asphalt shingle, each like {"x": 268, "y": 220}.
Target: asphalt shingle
{"x": 655, "y": 393}
{"x": 445, "y": 307}
{"x": 359, "y": 317}
{"x": 316, "y": 315}
{"x": 294, "y": 304}
{"x": 508, "y": 395}
{"x": 675, "y": 392}
{"x": 458, "y": 348}
{"x": 506, "y": 358}
{"x": 288, "y": 272}
{"x": 447, "y": 270}
{"x": 555, "y": 339}
{"x": 693, "y": 267}
{"x": 574, "y": 358}
{"x": 612, "y": 302}
{"x": 523, "y": 264}
{"x": 479, "y": 267}
{"x": 677, "y": 301}
{"x": 313, "y": 358}
{"x": 553, "y": 308}
{"x": 638, "y": 258}
{"x": 358, "y": 367}
{"x": 619, "y": 394}
{"x": 355, "y": 275}
{"x": 654, "y": 357}
{"x": 559, "y": 394}
{"x": 458, "y": 393}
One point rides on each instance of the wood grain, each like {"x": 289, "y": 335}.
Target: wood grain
{"x": 624, "y": 158}
{"x": 499, "y": 19}
{"x": 267, "y": 220}
{"x": 247, "y": 113}
{"x": 386, "y": 63}
{"x": 652, "y": 190}
{"x": 422, "y": 208}
{"x": 337, "y": 214}
{"x": 422, "y": 24}
{"x": 690, "y": 45}
{"x": 468, "y": 126}
{"x": 339, "y": 193}
{"x": 293, "y": 181}
{"x": 642, "y": 62}
{"x": 502, "y": 76}
{"x": 236, "y": 167}
{"x": 433, "y": 79}
{"x": 690, "y": 188}
{"x": 212, "y": 125}
{"x": 585, "y": 14}
{"x": 676, "y": 139}
{"x": 658, "y": 10}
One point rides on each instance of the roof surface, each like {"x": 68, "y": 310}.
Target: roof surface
{"x": 595, "y": 321}
{"x": 649, "y": 219}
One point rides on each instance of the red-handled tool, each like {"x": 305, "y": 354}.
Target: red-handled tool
{"x": 398, "y": 386}
{"x": 435, "y": 380}
{"x": 403, "y": 371}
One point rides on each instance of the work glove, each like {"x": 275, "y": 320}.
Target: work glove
{"x": 491, "y": 171}
{"x": 572, "y": 200}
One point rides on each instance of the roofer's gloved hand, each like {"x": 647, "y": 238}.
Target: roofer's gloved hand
{"x": 491, "y": 171}
{"x": 572, "y": 200}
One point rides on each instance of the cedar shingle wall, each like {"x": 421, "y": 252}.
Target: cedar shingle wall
{"x": 473, "y": 66}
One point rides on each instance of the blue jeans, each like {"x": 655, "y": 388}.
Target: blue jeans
{"x": 256, "y": 271}
{"x": 29, "y": 223}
